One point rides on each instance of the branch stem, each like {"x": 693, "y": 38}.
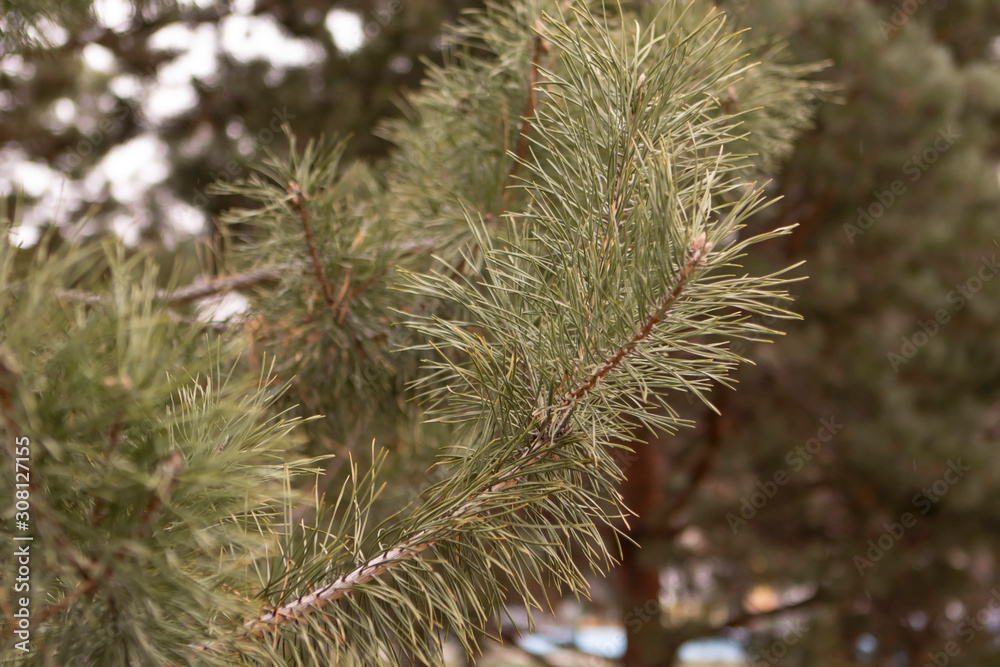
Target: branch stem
{"x": 530, "y": 105}
{"x": 215, "y": 287}
{"x": 299, "y": 202}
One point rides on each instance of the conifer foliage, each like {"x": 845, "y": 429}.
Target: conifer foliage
{"x": 551, "y": 256}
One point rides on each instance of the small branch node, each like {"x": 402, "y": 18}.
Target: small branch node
{"x": 299, "y": 199}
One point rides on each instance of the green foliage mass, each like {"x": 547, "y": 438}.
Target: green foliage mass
{"x": 155, "y": 470}
{"x": 554, "y": 253}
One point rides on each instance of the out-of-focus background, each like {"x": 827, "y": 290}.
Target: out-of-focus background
{"x": 850, "y": 486}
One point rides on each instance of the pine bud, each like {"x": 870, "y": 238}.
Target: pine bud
{"x": 698, "y": 249}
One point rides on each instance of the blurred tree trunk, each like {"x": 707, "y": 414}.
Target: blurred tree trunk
{"x": 640, "y": 576}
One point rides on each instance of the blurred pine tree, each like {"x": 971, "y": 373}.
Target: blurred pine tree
{"x": 552, "y": 255}
{"x": 896, "y": 194}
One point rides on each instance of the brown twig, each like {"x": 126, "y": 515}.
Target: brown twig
{"x": 53, "y": 609}
{"x": 299, "y": 199}
{"x": 221, "y": 285}
{"x": 339, "y": 302}
{"x": 215, "y": 287}
{"x": 540, "y": 47}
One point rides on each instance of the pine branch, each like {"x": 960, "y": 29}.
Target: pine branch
{"x": 558, "y": 417}
{"x": 298, "y": 200}
{"x": 90, "y": 573}
{"x": 215, "y": 287}
{"x": 622, "y": 206}
{"x": 531, "y": 103}
{"x": 539, "y": 47}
